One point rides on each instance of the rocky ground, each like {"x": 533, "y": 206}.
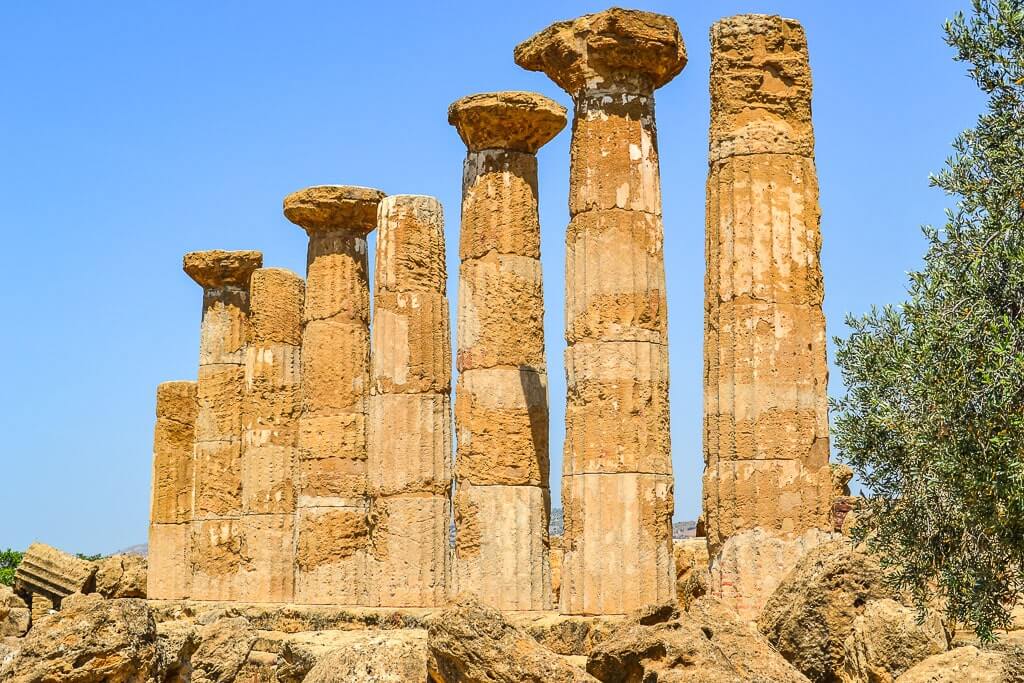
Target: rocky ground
{"x": 831, "y": 620}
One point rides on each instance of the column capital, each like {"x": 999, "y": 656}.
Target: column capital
{"x": 217, "y": 268}
{"x": 323, "y": 208}
{"x": 616, "y": 49}
{"x": 514, "y": 120}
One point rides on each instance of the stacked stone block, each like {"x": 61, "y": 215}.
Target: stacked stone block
{"x": 410, "y": 412}
{"x": 767, "y": 484}
{"x": 332, "y": 534}
{"x": 170, "y": 528}
{"x": 502, "y": 500}
{"x": 270, "y": 432}
{"x": 219, "y": 549}
{"x": 617, "y": 487}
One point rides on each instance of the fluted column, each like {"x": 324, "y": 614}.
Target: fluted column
{"x": 617, "y": 487}
{"x": 502, "y": 499}
{"x": 218, "y": 548}
{"x": 767, "y": 482}
{"x": 410, "y": 412}
{"x": 332, "y": 536}
{"x": 270, "y": 432}
{"x": 169, "y": 573}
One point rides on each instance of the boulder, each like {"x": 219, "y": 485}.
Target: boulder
{"x": 563, "y": 634}
{"x": 470, "y": 643}
{"x": 968, "y": 664}
{"x": 88, "y": 641}
{"x": 709, "y": 643}
{"x": 810, "y": 615}
{"x": 224, "y": 646}
{"x": 175, "y": 642}
{"x": 691, "y": 557}
{"x": 121, "y": 576}
{"x": 886, "y": 640}
{"x": 378, "y": 657}
{"x": 14, "y": 614}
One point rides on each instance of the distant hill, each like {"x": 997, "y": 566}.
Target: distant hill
{"x": 141, "y": 550}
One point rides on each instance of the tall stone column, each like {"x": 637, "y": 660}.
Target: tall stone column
{"x": 169, "y": 575}
{"x": 410, "y": 414}
{"x": 767, "y": 484}
{"x": 218, "y": 542}
{"x": 332, "y": 537}
{"x": 502, "y": 500}
{"x": 617, "y": 487}
{"x": 270, "y": 432}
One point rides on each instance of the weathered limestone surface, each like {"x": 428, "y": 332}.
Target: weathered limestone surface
{"x": 617, "y": 476}
{"x": 218, "y": 546}
{"x": 502, "y": 503}
{"x": 170, "y": 519}
{"x": 766, "y": 410}
{"x": 52, "y": 574}
{"x": 409, "y": 458}
{"x": 270, "y": 433}
{"x": 331, "y": 532}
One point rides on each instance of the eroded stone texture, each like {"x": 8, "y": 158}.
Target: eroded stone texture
{"x": 766, "y": 408}
{"x": 169, "y": 567}
{"x": 331, "y": 545}
{"x": 52, "y": 574}
{"x": 502, "y": 503}
{"x": 617, "y": 469}
{"x": 409, "y": 442}
{"x": 270, "y": 417}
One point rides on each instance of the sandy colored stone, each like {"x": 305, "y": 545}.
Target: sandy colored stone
{"x": 501, "y": 313}
{"x": 217, "y": 268}
{"x": 375, "y": 657}
{"x": 886, "y": 640}
{"x": 617, "y": 544}
{"x": 513, "y": 120}
{"x": 617, "y": 412}
{"x": 335, "y": 365}
{"x": 15, "y": 615}
{"x": 501, "y": 545}
{"x": 331, "y": 556}
{"x": 50, "y": 572}
{"x": 968, "y": 665}
{"x": 247, "y": 558}
{"x": 761, "y": 82}
{"x": 410, "y": 245}
{"x": 567, "y": 635}
{"x": 169, "y": 561}
{"x": 411, "y": 342}
{"x": 412, "y": 453}
{"x": 218, "y": 468}
{"x": 471, "y": 643}
{"x": 41, "y": 606}
{"x": 173, "y": 438}
{"x": 691, "y": 563}
{"x": 746, "y": 570}
{"x": 499, "y": 204}
{"x": 501, "y": 417}
{"x": 409, "y": 560}
{"x": 224, "y": 646}
{"x": 324, "y": 208}
{"x": 555, "y": 544}
{"x": 90, "y": 640}
{"x": 121, "y": 576}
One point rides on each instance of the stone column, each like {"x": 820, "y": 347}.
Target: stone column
{"x": 169, "y": 574}
{"x": 617, "y": 487}
{"x": 270, "y": 432}
{"x": 410, "y": 413}
{"x": 767, "y": 485}
{"x": 218, "y": 547}
{"x": 332, "y": 537}
{"x": 502, "y": 501}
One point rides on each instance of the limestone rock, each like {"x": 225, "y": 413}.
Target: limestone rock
{"x": 513, "y": 120}
{"x": 14, "y": 614}
{"x": 88, "y": 641}
{"x": 886, "y": 640}
{"x": 51, "y": 572}
{"x": 223, "y": 649}
{"x": 567, "y": 635}
{"x": 471, "y": 643}
{"x": 325, "y": 207}
{"x": 217, "y": 268}
{"x": 709, "y": 643}
{"x": 121, "y": 576}
{"x": 968, "y": 664}
{"x": 810, "y": 615}
{"x": 691, "y": 558}
{"x": 176, "y": 641}
{"x": 377, "y": 657}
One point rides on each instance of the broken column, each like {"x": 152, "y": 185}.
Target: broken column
{"x": 169, "y": 574}
{"x": 218, "y": 543}
{"x": 332, "y": 536}
{"x": 767, "y": 484}
{"x": 269, "y": 434}
{"x": 47, "y": 575}
{"x": 410, "y": 413}
{"x": 617, "y": 487}
{"x": 502, "y": 499}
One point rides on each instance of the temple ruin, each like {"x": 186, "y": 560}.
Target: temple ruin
{"x": 314, "y": 460}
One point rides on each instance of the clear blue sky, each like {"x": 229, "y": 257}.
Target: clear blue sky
{"x": 132, "y": 132}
